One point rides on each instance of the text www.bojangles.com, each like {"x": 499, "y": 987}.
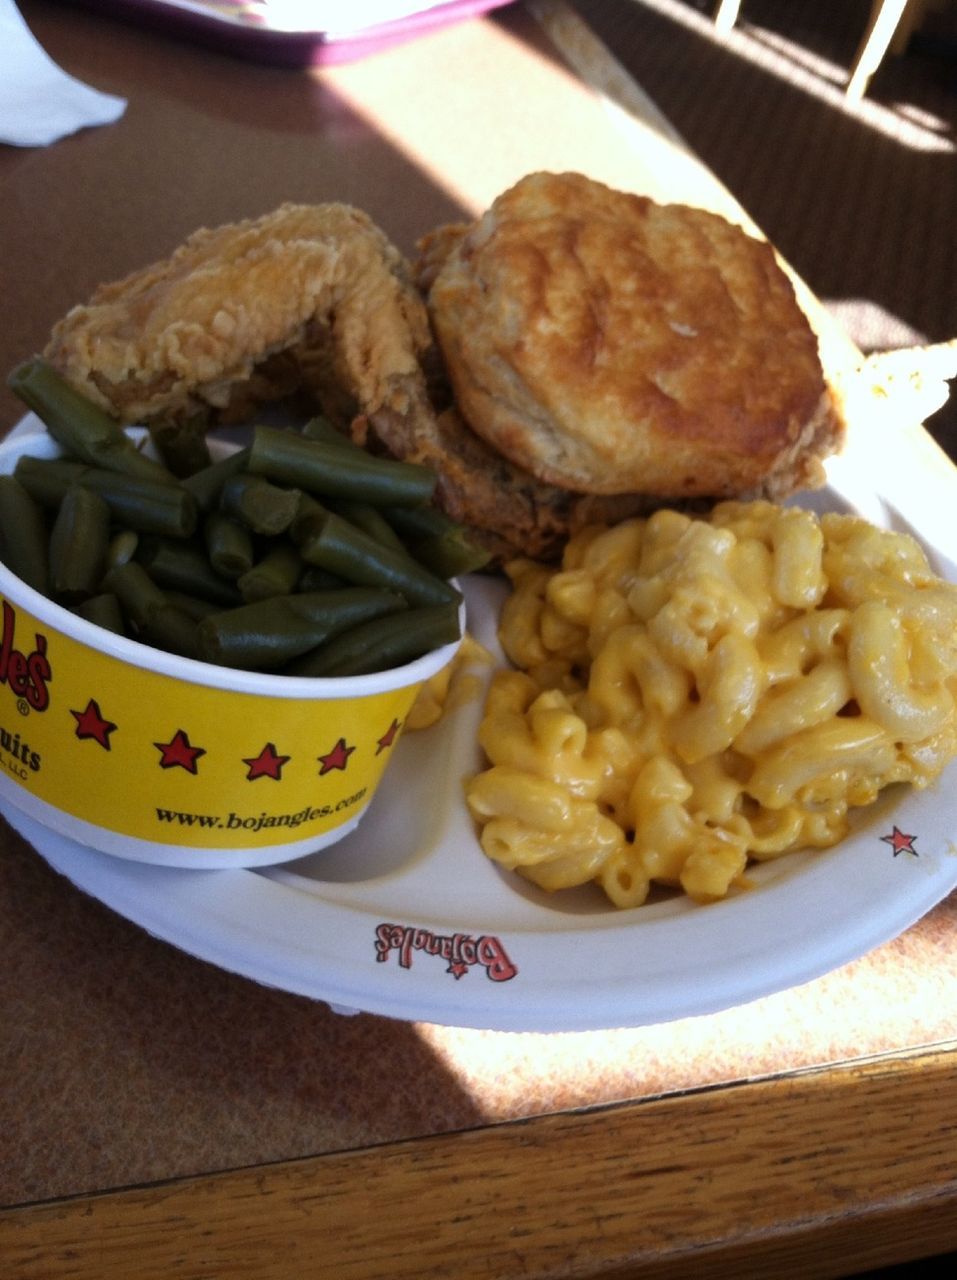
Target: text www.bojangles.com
{"x": 257, "y": 821}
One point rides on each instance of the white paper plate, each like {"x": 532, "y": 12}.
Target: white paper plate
{"x": 474, "y": 946}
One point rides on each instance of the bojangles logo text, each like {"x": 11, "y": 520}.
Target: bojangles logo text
{"x": 27, "y": 674}
{"x": 460, "y": 950}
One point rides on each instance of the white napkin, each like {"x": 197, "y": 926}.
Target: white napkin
{"x": 39, "y": 102}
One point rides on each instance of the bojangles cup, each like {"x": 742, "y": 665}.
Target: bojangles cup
{"x": 164, "y": 759}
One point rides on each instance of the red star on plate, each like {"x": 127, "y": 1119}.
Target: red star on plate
{"x": 337, "y": 758}
{"x": 900, "y": 843}
{"x": 388, "y": 737}
{"x": 178, "y": 752}
{"x": 90, "y": 723}
{"x": 457, "y": 969}
{"x": 267, "y": 764}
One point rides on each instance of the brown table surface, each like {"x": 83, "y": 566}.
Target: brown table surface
{"x": 161, "y": 1117}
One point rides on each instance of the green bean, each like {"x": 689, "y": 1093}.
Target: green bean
{"x": 427, "y": 534}
{"x": 81, "y": 427}
{"x": 104, "y": 611}
{"x": 451, "y": 553}
{"x": 264, "y": 636}
{"x": 260, "y": 505}
{"x": 330, "y": 567}
{"x": 78, "y": 544}
{"x": 171, "y": 630}
{"x": 123, "y": 546}
{"x": 183, "y": 566}
{"x": 136, "y": 591}
{"x": 47, "y": 479}
{"x": 315, "y": 579}
{"x": 157, "y": 621}
{"x": 183, "y": 446}
{"x": 229, "y": 545}
{"x": 339, "y": 470}
{"x": 424, "y": 521}
{"x": 23, "y": 535}
{"x": 338, "y": 546}
{"x": 276, "y": 574}
{"x": 207, "y": 485}
{"x": 320, "y": 428}
{"x": 310, "y": 516}
{"x": 381, "y": 643}
{"x": 142, "y": 504}
{"x": 370, "y": 520}
{"x": 192, "y": 606}
{"x": 437, "y": 541}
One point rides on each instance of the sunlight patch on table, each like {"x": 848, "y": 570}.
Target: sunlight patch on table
{"x": 818, "y": 77}
{"x": 547, "y": 118}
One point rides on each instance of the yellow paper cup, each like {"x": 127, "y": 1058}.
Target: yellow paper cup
{"x": 162, "y": 759}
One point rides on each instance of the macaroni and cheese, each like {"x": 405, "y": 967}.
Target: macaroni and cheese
{"x": 690, "y": 694}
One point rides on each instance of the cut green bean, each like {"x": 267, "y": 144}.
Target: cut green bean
{"x": 123, "y": 547}
{"x": 141, "y": 504}
{"x": 437, "y": 541}
{"x": 229, "y": 545}
{"x": 303, "y": 540}
{"x": 81, "y": 427}
{"x": 321, "y": 429}
{"x": 311, "y": 515}
{"x": 156, "y": 620}
{"x": 78, "y": 544}
{"x": 443, "y": 545}
{"x": 266, "y": 635}
{"x": 23, "y": 535}
{"x": 341, "y": 548}
{"x": 451, "y": 553}
{"x": 261, "y": 506}
{"x": 103, "y": 611}
{"x": 314, "y": 579}
{"x": 277, "y": 574}
{"x": 339, "y": 470}
{"x": 207, "y": 485}
{"x": 165, "y": 509}
{"x": 183, "y": 446}
{"x": 192, "y": 606}
{"x": 47, "y": 479}
{"x": 136, "y": 591}
{"x": 370, "y": 520}
{"x": 183, "y": 566}
{"x": 424, "y": 521}
{"x": 382, "y": 643}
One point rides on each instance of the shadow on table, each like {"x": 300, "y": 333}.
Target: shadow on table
{"x": 126, "y": 1061}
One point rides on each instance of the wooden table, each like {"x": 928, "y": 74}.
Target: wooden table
{"x": 159, "y": 1117}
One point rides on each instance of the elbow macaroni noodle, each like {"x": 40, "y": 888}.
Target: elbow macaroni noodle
{"x": 691, "y": 694}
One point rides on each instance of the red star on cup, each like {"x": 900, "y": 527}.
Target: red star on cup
{"x": 90, "y": 723}
{"x": 337, "y": 758}
{"x": 457, "y": 969}
{"x": 178, "y": 753}
{"x": 900, "y": 842}
{"x": 267, "y": 764}
{"x": 388, "y": 737}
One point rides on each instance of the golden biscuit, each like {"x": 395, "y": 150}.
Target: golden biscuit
{"x": 608, "y": 344}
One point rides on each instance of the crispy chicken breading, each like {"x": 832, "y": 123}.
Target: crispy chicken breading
{"x": 248, "y": 311}
{"x": 316, "y": 299}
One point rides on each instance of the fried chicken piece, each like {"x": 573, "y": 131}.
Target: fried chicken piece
{"x": 312, "y": 295}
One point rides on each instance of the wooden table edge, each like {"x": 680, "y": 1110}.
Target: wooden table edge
{"x": 814, "y": 1174}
